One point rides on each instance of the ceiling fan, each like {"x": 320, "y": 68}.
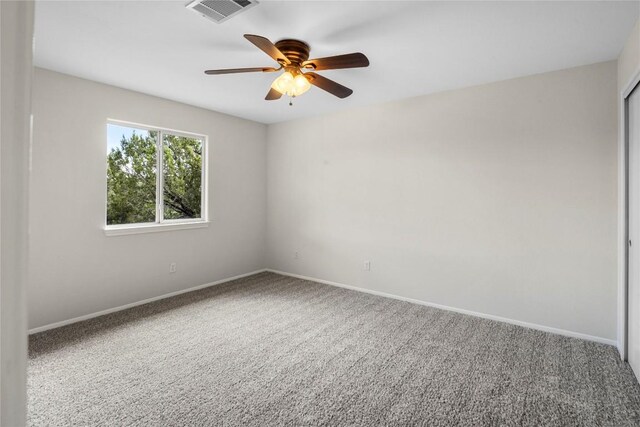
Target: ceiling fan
{"x": 293, "y": 57}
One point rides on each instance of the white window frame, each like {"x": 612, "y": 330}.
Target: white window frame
{"x": 160, "y": 223}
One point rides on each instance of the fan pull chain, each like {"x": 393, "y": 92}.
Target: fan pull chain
{"x": 291, "y": 101}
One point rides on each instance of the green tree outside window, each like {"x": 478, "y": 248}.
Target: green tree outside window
{"x": 132, "y": 178}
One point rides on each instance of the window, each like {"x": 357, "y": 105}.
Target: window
{"x": 141, "y": 197}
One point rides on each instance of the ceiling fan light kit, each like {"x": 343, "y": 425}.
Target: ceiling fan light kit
{"x": 293, "y": 56}
{"x": 292, "y": 86}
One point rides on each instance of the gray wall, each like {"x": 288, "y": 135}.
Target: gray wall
{"x": 74, "y": 268}
{"x": 499, "y": 199}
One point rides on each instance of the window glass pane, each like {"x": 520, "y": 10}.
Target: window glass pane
{"x": 182, "y": 174}
{"x": 131, "y": 175}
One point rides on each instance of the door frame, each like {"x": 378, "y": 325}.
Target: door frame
{"x": 623, "y": 214}
{"x": 15, "y": 143}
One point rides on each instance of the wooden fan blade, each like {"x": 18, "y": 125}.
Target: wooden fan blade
{"x": 329, "y": 85}
{"x": 267, "y": 47}
{"x": 273, "y": 95}
{"x": 242, "y": 70}
{"x": 350, "y": 60}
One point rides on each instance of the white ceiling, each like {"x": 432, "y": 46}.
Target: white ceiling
{"x": 415, "y": 48}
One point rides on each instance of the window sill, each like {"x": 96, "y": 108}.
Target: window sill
{"x": 121, "y": 230}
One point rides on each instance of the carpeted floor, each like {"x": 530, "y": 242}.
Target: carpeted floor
{"x": 273, "y": 350}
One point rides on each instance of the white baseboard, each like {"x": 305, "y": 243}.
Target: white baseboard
{"x": 457, "y": 310}
{"x": 137, "y": 303}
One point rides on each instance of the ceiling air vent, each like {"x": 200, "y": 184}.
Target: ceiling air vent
{"x": 220, "y": 10}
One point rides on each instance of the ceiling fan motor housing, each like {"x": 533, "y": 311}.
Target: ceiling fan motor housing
{"x": 296, "y": 51}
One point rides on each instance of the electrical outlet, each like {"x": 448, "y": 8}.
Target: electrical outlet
{"x": 367, "y": 266}
{"x": 173, "y": 267}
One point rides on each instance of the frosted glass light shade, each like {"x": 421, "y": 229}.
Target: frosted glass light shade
{"x": 283, "y": 83}
{"x": 300, "y": 85}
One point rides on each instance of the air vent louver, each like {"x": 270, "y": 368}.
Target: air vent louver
{"x": 220, "y": 10}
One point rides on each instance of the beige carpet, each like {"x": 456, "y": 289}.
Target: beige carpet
{"x": 272, "y": 350}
